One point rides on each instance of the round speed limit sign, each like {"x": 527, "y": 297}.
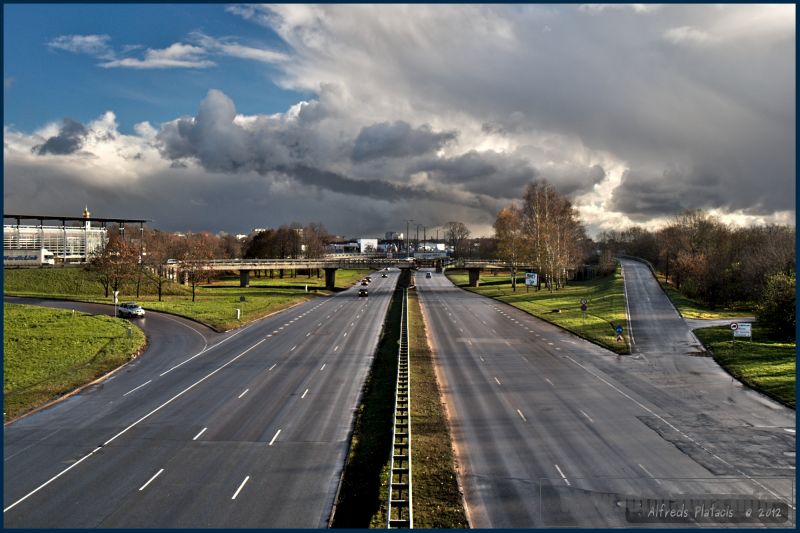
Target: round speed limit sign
{"x": 734, "y": 326}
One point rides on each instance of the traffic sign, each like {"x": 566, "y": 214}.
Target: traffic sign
{"x": 619, "y": 329}
{"x": 734, "y": 326}
{"x": 583, "y": 307}
{"x": 584, "y": 301}
{"x": 743, "y": 329}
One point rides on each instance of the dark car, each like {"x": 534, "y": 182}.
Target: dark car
{"x": 368, "y": 279}
{"x": 364, "y": 283}
{"x": 363, "y": 292}
{"x": 384, "y": 276}
{"x": 428, "y": 275}
{"x": 131, "y": 310}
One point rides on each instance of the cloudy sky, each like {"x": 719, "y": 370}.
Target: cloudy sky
{"x": 230, "y": 117}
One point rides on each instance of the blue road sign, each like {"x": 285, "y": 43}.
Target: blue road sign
{"x": 619, "y": 330}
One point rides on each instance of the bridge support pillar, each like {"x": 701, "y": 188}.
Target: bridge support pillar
{"x": 330, "y": 278}
{"x": 244, "y": 278}
{"x": 474, "y": 276}
{"x": 438, "y": 266}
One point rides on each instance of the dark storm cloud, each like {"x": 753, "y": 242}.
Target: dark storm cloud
{"x": 643, "y": 195}
{"x": 398, "y": 139}
{"x": 69, "y": 140}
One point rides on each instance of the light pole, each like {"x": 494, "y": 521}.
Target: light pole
{"x": 424, "y": 238}
{"x": 417, "y": 247}
{"x": 408, "y": 253}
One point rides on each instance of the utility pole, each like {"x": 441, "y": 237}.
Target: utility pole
{"x": 424, "y": 238}
{"x": 408, "y": 253}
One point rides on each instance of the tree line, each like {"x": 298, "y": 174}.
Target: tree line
{"x": 718, "y": 264}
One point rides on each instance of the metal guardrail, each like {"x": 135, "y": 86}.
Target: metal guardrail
{"x": 400, "y": 513}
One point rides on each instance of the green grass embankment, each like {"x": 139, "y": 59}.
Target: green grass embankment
{"x": 438, "y": 502}
{"x": 689, "y": 308}
{"x": 763, "y": 363}
{"x": 50, "y": 352}
{"x": 562, "y": 307}
{"x": 215, "y": 303}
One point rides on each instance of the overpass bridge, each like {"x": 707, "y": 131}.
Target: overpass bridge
{"x": 330, "y": 264}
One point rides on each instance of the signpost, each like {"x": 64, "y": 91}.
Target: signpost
{"x": 742, "y": 329}
{"x": 584, "y": 307}
{"x": 116, "y": 301}
{"x": 531, "y": 279}
{"x": 619, "y": 330}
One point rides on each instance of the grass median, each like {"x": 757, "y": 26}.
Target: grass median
{"x": 438, "y": 502}
{"x": 215, "y": 304}
{"x": 50, "y": 352}
{"x": 763, "y": 363}
{"x": 562, "y": 307}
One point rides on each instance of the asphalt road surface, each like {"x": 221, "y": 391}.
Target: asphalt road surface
{"x": 551, "y": 430}
{"x": 244, "y": 429}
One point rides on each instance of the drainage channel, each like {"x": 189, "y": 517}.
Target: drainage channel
{"x": 400, "y": 513}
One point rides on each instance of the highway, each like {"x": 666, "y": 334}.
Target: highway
{"x": 551, "y": 430}
{"x": 244, "y": 429}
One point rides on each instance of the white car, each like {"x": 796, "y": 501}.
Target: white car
{"x": 131, "y": 310}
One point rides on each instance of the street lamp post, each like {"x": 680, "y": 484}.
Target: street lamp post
{"x": 408, "y": 252}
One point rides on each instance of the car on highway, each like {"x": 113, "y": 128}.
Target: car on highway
{"x": 384, "y": 276}
{"x": 363, "y": 292}
{"x": 131, "y": 310}
{"x": 364, "y": 283}
{"x": 369, "y": 279}
{"x": 427, "y": 275}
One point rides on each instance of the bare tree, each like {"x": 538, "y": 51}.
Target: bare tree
{"x": 512, "y": 243}
{"x": 197, "y": 254}
{"x": 457, "y": 234}
{"x": 115, "y": 263}
{"x": 159, "y": 248}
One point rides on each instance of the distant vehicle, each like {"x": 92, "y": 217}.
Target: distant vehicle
{"x": 369, "y": 279}
{"x": 131, "y": 310}
{"x": 172, "y": 261}
{"x": 364, "y": 283}
{"x": 363, "y": 292}
{"x": 428, "y": 275}
{"x": 384, "y": 276}
{"x": 27, "y": 258}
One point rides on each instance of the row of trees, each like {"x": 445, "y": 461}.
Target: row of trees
{"x": 707, "y": 259}
{"x": 544, "y": 232}
{"x": 287, "y": 242}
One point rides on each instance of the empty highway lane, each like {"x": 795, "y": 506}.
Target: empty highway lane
{"x": 244, "y": 429}
{"x": 551, "y": 430}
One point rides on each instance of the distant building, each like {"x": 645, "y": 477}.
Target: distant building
{"x": 394, "y": 236}
{"x": 70, "y": 244}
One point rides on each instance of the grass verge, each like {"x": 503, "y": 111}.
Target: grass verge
{"x": 438, "y": 502}
{"x": 765, "y": 364}
{"x": 50, "y": 352}
{"x": 605, "y": 296}
{"x": 215, "y": 304}
{"x": 363, "y": 490}
{"x": 689, "y": 308}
